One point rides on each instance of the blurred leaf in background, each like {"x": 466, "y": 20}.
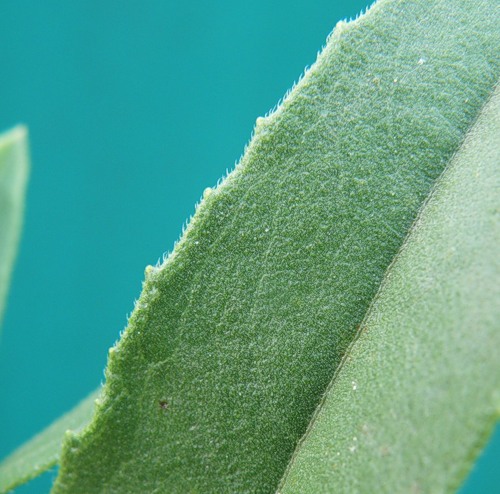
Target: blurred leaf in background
{"x": 13, "y": 176}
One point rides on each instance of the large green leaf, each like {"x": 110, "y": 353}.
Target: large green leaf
{"x": 237, "y": 335}
{"x": 13, "y": 177}
{"x": 419, "y": 391}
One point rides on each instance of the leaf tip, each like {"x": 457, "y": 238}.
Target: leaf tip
{"x": 17, "y": 134}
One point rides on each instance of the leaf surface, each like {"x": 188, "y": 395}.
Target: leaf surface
{"x": 419, "y": 391}
{"x": 43, "y": 451}
{"x": 13, "y": 178}
{"x": 237, "y": 335}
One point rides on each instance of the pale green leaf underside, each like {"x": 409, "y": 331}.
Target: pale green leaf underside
{"x": 237, "y": 335}
{"x": 13, "y": 177}
{"x": 43, "y": 451}
{"x": 419, "y": 392}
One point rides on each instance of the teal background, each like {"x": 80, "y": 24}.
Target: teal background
{"x": 133, "y": 109}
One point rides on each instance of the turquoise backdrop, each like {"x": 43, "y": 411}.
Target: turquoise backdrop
{"x": 133, "y": 109}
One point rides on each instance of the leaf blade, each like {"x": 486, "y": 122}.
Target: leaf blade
{"x": 431, "y": 335}
{"x": 356, "y": 188}
{"x": 235, "y": 409}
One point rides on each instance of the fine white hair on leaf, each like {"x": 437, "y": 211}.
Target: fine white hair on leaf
{"x": 258, "y": 128}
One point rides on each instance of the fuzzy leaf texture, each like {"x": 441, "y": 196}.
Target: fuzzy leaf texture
{"x": 238, "y": 334}
{"x": 419, "y": 392}
{"x": 236, "y": 337}
{"x": 13, "y": 177}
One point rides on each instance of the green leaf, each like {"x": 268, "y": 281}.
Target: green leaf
{"x": 13, "y": 178}
{"x": 43, "y": 451}
{"x": 237, "y": 335}
{"x": 418, "y": 393}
